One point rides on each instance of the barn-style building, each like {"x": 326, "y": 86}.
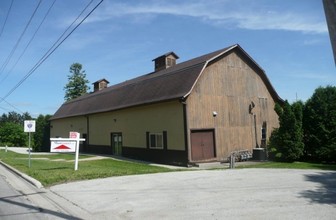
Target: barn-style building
{"x": 196, "y": 111}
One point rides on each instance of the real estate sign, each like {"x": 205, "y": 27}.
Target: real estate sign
{"x": 63, "y": 146}
{"x": 66, "y": 145}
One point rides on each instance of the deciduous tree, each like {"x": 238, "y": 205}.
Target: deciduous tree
{"x": 320, "y": 124}
{"x": 286, "y": 142}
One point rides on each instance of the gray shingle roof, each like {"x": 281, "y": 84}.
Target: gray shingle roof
{"x": 175, "y": 82}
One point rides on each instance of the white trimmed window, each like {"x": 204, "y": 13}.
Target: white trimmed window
{"x": 156, "y": 140}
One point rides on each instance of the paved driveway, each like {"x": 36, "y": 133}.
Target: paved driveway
{"x": 217, "y": 194}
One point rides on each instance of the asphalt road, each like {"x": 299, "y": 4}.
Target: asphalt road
{"x": 209, "y": 194}
{"x": 14, "y": 205}
{"x": 21, "y": 200}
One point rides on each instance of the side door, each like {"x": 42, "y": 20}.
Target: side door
{"x": 116, "y": 143}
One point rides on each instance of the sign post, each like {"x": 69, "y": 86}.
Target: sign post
{"x": 66, "y": 145}
{"x": 29, "y": 126}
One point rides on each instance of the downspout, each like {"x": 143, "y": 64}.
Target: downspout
{"x": 186, "y": 129}
{"x": 87, "y": 131}
{"x": 255, "y": 130}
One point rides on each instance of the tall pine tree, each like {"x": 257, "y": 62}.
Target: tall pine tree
{"x": 77, "y": 83}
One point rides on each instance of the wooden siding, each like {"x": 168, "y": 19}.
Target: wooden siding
{"x": 229, "y": 86}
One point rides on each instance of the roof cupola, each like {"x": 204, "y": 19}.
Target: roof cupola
{"x": 165, "y": 61}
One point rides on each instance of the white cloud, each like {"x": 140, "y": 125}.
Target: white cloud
{"x": 312, "y": 42}
{"x": 225, "y": 13}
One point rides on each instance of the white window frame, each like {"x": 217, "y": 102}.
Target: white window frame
{"x": 156, "y": 141}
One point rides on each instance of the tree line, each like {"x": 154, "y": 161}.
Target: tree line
{"x": 307, "y": 130}
{"x": 12, "y": 131}
{"x": 12, "y": 124}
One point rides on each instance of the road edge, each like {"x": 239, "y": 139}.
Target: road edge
{"x": 29, "y": 179}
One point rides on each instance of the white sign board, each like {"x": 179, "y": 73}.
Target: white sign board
{"x": 29, "y": 126}
{"x": 63, "y": 146}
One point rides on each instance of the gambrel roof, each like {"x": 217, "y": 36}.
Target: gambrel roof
{"x": 172, "y": 83}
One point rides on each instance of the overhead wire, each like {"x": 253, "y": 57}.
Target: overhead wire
{"x": 50, "y": 52}
{"x": 5, "y": 22}
{"x": 31, "y": 39}
{"x": 20, "y": 38}
{"x": 11, "y": 105}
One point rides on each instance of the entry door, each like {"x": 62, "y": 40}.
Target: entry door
{"x": 116, "y": 142}
{"x": 202, "y": 145}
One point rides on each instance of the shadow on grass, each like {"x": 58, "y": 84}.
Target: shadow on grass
{"x": 57, "y": 168}
{"x": 325, "y": 192}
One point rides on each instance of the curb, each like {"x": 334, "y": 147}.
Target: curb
{"x": 29, "y": 179}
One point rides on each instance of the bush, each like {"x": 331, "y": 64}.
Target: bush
{"x": 12, "y": 134}
{"x": 286, "y": 143}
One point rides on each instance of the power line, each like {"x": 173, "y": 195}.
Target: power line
{"x": 14, "y": 107}
{"x": 49, "y": 52}
{"x": 5, "y": 22}
{"x": 19, "y": 40}
{"x": 31, "y": 39}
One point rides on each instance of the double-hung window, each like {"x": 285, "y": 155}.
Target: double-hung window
{"x": 156, "y": 140}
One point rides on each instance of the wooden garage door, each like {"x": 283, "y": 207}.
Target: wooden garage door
{"x": 202, "y": 145}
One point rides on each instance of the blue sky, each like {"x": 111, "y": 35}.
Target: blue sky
{"x": 287, "y": 38}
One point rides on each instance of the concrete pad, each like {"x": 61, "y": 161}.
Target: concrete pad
{"x": 204, "y": 194}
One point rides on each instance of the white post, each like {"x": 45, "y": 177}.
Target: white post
{"x": 77, "y": 151}
{"x": 6, "y": 148}
{"x": 29, "y": 151}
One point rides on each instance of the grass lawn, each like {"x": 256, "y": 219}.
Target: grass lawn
{"x": 59, "y": 168}
{"x": 294, "y": 165}
{"x": 50, "y": 170}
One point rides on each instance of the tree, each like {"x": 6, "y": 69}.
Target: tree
{"x": 42, "y": 133}
{"x": 320, "y": 124}
{"x": 77, "y": 82}
{"x": 12, "y": 134}
{"x": 286, "y": 142}
{"x": 15, "y": 117}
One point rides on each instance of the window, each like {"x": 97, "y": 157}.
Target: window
{"x": 156, "y": 140}
{"x": 263, "y": 134}
{"x": 264, "y": 131}
{"x": 171, "y": 62}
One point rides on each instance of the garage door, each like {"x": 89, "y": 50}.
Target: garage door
{"x": 202, "y": 145}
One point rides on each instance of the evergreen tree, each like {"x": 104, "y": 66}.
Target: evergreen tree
{"x": 42, "y": 133}
{"x": 77, "y": 82}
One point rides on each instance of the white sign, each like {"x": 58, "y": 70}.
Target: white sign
{"x": 63, "y": 146}
{"x": 67, "y": 145}
{"x": 29, "y": 126}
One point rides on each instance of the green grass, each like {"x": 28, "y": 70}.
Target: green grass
{"x": 50, "y": 172}
{"x": 294, "y": 165}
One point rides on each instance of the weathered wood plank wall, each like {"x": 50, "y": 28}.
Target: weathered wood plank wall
{"x": 230, "y": 86}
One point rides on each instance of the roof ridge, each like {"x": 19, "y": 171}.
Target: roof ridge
{"x": 165, "y": 72}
